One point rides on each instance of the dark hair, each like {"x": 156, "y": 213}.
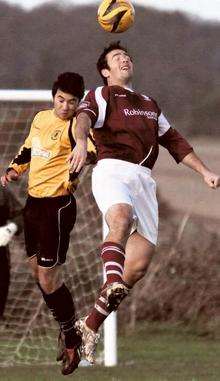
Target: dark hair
{"x": 102, "y": 62}
{"x": 71, "y": 83}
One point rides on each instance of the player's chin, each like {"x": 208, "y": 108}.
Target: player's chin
{"x": 127, "y": 75}
{"x": 65, "y": 115}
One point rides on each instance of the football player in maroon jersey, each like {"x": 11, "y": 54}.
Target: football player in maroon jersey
{"x": 128, "y": 128}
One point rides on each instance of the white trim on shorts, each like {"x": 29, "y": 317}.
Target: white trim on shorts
{"x": 59, "y": 239}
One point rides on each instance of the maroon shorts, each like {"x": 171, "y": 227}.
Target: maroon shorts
{"x": 48, "y": 222}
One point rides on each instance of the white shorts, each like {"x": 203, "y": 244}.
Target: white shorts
{"x": 117, "y": 181}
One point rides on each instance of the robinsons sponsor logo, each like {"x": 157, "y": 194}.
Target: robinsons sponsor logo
{"x": 148, "y": 114}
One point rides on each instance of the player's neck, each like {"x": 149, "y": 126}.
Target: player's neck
{"x": 126, "y": 85}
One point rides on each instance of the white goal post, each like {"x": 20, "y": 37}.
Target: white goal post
{"x": 110, "y": 325}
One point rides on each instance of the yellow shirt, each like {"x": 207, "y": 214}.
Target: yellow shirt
{"x": 45, "y": 152}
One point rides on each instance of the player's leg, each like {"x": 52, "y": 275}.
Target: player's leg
{"x": 119, "y": 219}
{"x": 34, "y": 267}
{"x": 60, "y": 302}
{"x": 35, "y": 272}
{"x": 59, "y": 219}
{"x": 139, "y": 252}
{"x": 48, "y": 223}
{"x": 145, "y": 237}
{"x": 114, "y": 201}
{"x": 139, "y": 247}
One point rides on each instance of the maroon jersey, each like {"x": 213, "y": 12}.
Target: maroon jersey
{"x": 130, "y": 126}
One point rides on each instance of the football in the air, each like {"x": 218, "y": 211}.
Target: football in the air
{"x": 116, "y": 16}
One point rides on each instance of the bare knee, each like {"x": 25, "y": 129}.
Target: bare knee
{"x": 119, "y": 219}
{"x": 34, "y": 267}
{"x": 120, "y": 227}
{"x": 49, "y": 279}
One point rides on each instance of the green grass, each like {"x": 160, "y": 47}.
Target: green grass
{"x": 150, "y": 353}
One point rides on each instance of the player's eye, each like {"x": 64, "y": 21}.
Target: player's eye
{"x": 72, "y": 103}
{"x": 127, "y": 57}
{"x": 116, "y": 57}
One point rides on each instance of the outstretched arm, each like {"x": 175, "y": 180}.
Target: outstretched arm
{"x": 10, "y": 175}
{"x": 77, "y": 158}
{"x": 20, "y": 163}
{"x": 193, "y": 161}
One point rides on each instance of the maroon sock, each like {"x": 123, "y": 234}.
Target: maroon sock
{"x": 99, "y": 311}
{"x": 113, "y": 257}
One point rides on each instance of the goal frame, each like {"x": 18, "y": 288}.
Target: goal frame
{"x": 110, "y": 324}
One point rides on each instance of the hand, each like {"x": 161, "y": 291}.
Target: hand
{"x": 12, "y": 175}
{"x": 212, "y": 180}
{"x": 77, "y": 158}
{"x": 6, "y": 233}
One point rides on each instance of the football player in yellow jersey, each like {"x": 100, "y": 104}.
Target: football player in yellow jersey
{"x": 50, "y": 210}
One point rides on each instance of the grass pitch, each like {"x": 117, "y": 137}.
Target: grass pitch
{"x": 150, "y": 353}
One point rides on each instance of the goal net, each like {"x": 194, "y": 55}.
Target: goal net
{"x": 28, "y": 335}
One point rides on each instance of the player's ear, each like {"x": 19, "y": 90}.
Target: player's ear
{"x": 105, "y": 73}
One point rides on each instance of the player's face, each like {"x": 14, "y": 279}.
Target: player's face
{"x": 65, "y": 105}
{"x": 120, "y": 70}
